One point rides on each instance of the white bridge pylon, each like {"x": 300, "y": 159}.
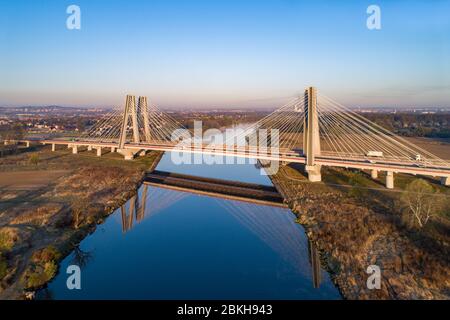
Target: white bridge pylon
{"x": 312, "y": 129}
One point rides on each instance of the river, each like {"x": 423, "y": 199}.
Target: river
{"x": 187, "y": 246}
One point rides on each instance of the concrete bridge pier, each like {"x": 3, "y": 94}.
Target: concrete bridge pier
{"x": 74, "y": 149}
{"x": 142, "y": 153}
{"x": 53, "y": 147}
{"x": 445, "y": 181}
{"x": 128, "y": 153}
{"x": 99, "y": 151}
{"x": 389, "y": 180}
{"x": 314, "y": 174}
{"x": 27, "y": 144}
{"x": 113, "y": 149}
{"x": 89, "y": 148}
{"x": 374, "y": 173}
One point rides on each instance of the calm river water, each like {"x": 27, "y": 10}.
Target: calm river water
{"x": 186, "y": 246}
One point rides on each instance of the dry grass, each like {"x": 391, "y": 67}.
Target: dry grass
{"x": 438, "y": 147}
{"x": 357, "y": 229}
{"x": 59, "y": 201}
{"x": 39, "y": 215}
{"x": 29, "y": 180}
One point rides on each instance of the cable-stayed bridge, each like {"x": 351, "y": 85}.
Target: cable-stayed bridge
{"x": 313, "y": 130}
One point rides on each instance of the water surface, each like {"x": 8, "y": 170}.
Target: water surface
{"x": 177, "y": 245}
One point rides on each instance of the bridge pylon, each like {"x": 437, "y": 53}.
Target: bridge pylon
{"x": 143, "y": 109}
{"x": 129, "y": 111}
{"x": 311, "y": 135}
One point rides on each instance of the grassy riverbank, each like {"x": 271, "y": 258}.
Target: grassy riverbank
{"x": 356, "y": 222}
{"x": 49, "y": 201}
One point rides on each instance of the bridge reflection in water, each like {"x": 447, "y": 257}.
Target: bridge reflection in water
{"x": 275, "y": 226}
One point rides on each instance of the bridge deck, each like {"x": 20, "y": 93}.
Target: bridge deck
{"x": 281, "y": 155}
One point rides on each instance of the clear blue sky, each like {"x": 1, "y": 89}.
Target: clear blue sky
{"x": 226, "y": 53}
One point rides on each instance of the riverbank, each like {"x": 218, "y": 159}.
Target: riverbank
{"x": 359, "y": 224}
{"x": 49, "y": 202}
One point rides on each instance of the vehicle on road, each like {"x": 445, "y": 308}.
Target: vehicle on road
{"x": 377, "y": 154}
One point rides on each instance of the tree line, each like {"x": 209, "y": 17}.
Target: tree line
{"x": 432, "y": 125}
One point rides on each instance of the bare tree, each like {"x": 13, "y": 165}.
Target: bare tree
{"x": 80, "y": 257}
{"x": 420, "y": 202}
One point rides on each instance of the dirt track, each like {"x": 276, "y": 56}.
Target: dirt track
{"x": 28, "y": 180}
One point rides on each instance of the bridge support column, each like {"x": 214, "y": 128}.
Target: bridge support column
{"x": 314, "y": 174}
{"x": 27, "y": 144}
{"x": 99, "y": 151}
{"x": 130, "y": 111}
{"x": 53, "y": 147}
{"x": 128, "y": 153}
{"x": 89, "y": 148}
{"x": 374, "y": 174}
{"x": 143, "y": 109}
{"x": 445, "y": 181}
{"x": 113, "y": 149}
{"x": 389, "y": 180}
{"x": 142, "y": 153}
{"x": 74, "y": 149}
{"x": 311, "y": 135}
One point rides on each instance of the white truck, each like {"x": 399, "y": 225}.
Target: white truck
{"x": 377, "y": 154}
{"x": 374, "y": 154}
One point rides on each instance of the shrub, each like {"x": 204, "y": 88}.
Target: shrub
{"x": 50, "y": 269}
{"x": 4, "y": 245}
{"x": 3, "y": 267}
{"x": 39, "y": 276}
{"x": 8, "y": 237}
{"x": 34, "y": 159}
{"x": 43, "y": 268}
{"x": 45, "y": 255}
